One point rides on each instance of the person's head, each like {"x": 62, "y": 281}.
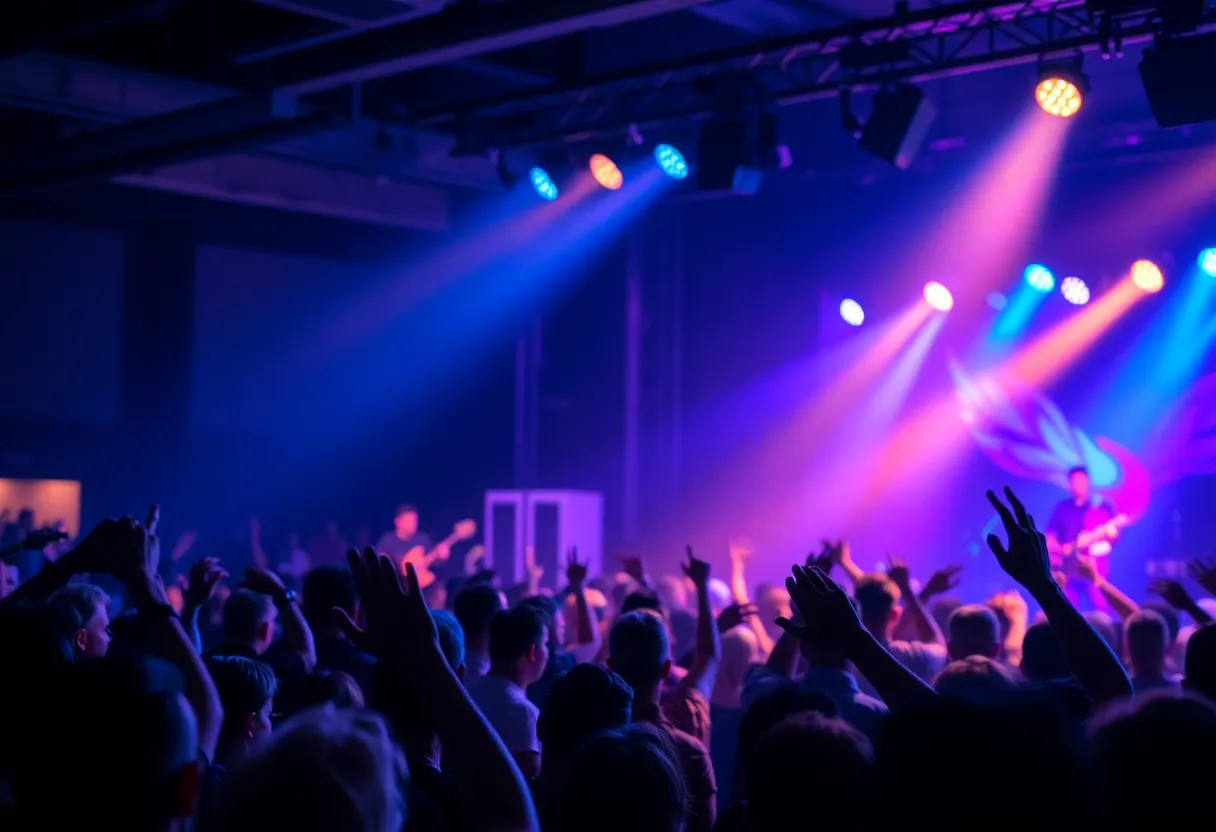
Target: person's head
{"x": 1042, "y": 656}
{"x": 10, "y": 578}
{"x": 1139, "y": 752}
{"x": 1169, "y": 615}
{"x": 976, "y": 678}
{"x": 325, "y": 588}
{"x": 587, "y": 701}
{"x": 973, "y": 631}
{"x": 644, "y": 599}
{"x": 1106, "y": 627}
{"x": 740, "y": 650}
{"x": 1147, "y": 638}
{"x": 812, "y": 767}
{"x": 942, "y": 607}
{"x": 638, "y": 650}
{"x": 1200, "y": 667}
{"x": 326, "y": 768}
{"x": 451, "y": 640}
{"x": 784, "y": 700}
{"x": 84, "y": 610}
{"x": 405, "y": 521}
{"x": 247, "y": 689}
{"x": 134, "y": 710}
{"x": 519, "y": 645}
{"x": 628, "y": 779}
{"x": 772, "y": 602}
{"x": 878, "y": 602}
{"x": 1078, "y": 483}
{"x": 674, "y": 591}
{"x": 555, "y": 619}
{"x": 475, "y": 607}
{"x": 250, "y": 619}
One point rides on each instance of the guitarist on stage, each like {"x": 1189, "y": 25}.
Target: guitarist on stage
{"x": 404, "y": 536}
{"x": 404, "y": 542}
{"x": 1084, "y": 525}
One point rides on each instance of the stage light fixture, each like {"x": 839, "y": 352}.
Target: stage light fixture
{"x": 897, "y": 128}
{"x": 1207, "y": 261}
{"x": 1062, "y": 87}
{"x": 852, "y": 312}
{"x": 1074, "y": 291}
{"x": 938, "y": 297}
{"x": 1040, "y": 278}
{"x": 1171, "y": 71}
{"x": 543, "y": 183}
{"x": 671, "y": 161}
{"x": 605, "y": 172}
{"x": 1147, "y": 276}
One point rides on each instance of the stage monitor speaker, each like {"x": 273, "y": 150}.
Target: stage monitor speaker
{"x": 552, "y": 523}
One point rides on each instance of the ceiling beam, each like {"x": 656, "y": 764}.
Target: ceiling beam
{"x": 455, "y": 35}
{"x": 48, "y": 23}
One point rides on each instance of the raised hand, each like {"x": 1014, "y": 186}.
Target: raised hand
{"x": 897, "y": 571}
{"x": 39, "y": 539}
{"x": 740, "y": 549}
{"x": 825, "y": 608}
{"x": 824, "y": 559}
{"x": 1025, "y": 558}
{"x": 1086, "y": 568}
{"x": 633, "y": 566}
{"x": 1011, "y": 604}
{"x": 205, "y": 576}
{"x": 1170, "y": 591}
{"x": 1204, "y": 574}
{"x": 265, "y": 582}
{"x": 697, "y": 570}
{"x": 535, "y": 572}
{"x": 576, "y": 571}
{"x": 399, "y": 625}
{"x": 942, "y": 581}
{"x": 733, "y": 616}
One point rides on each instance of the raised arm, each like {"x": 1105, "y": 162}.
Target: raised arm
{"x": 707, "y": 650}
{"x": 740, "y": 551}
{"x": 297, "y": 635}
{"x": 133, "y": 557}
{"x": 921, "y": 624}
{"x": 1026, "y": 560}
{"x": 402, "y": 633}
{"x": 1177, "y": 597}
{"x": 1123, "y": 606}
{"x": 205, "y": 576}
{"x": 587, "y": 631}
{"x": 828, "y": 612}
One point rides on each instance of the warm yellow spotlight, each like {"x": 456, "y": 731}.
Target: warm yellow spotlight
{"x": 1147, "y": 276}
{"x": 606, "y": 172}
{"x": 939, "y": 297}
{"x": 1058, "y": 96}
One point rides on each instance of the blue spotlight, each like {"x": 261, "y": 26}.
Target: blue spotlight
{"x": 1207, "y": 261}
{"x": 671, "y": 161}
{"x": 543, "y": 183}
{"x": 1040, "y": 278}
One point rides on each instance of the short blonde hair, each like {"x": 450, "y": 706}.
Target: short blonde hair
{"x": 326, "y": 768}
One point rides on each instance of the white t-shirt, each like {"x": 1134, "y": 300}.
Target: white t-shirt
{"x": 925, "y": 660}
{"x": 507, "y": 709}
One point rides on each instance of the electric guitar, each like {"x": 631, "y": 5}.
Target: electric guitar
{"x": 423, "y": 559}
{"x": 1094, "y": 543}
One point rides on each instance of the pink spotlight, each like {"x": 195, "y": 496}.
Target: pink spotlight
{"x": 938, "y": 297}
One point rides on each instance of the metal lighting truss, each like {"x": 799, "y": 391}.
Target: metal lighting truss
{"x": 944, "y": 40}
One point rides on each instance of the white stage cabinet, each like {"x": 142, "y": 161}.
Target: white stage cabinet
{"x": 552, "y": 522}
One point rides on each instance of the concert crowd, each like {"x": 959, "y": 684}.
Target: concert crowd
{"x": 404, "y": 686}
